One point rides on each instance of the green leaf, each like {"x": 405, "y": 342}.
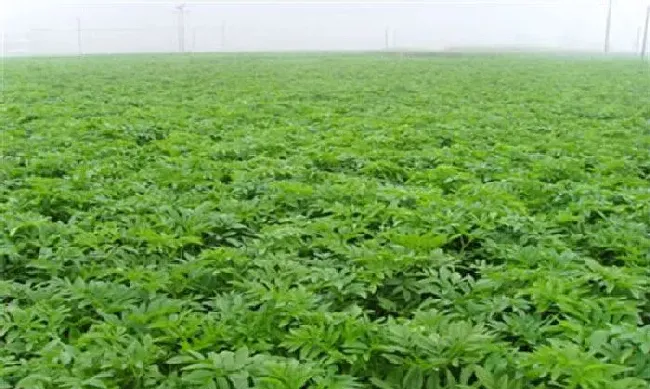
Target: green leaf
{"x": 485, "y": 377}
{"x": 413, "y": 378}
{"x": 377, "y": 383}
{"x": 180, "y": 360}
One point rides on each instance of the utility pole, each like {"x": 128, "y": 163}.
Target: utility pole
{"x": 194, "y": 40}
{"x": 637, "y": 42}
{"x": 608, "y": 26}
{"x": 223, "y": 35}
{"x": 181, "y": 28}
{"x": 79, "y": 36}
{"x": 386, "y": 34}
{"x": 644, "y": 45}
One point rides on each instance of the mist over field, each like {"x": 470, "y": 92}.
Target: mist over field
{"x": 94, "y": 26}
{"x": 324, "y": 195}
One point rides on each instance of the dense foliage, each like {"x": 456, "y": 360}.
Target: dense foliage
{"x": 308, "y": 221}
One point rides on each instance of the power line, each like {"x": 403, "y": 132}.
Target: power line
{"x": 90, "y": 29}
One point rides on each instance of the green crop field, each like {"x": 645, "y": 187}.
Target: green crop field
{"x": 325, "y": 221}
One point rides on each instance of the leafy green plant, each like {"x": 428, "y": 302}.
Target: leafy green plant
{"x": 334, "y": 222}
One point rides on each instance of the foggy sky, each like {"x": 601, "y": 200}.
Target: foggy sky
{"x": 50, "y": 27}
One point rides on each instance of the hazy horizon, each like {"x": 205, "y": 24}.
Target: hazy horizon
{"x": 50, "y": 27}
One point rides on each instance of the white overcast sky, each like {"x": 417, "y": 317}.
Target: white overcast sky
{"x": 42, "y": 26}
